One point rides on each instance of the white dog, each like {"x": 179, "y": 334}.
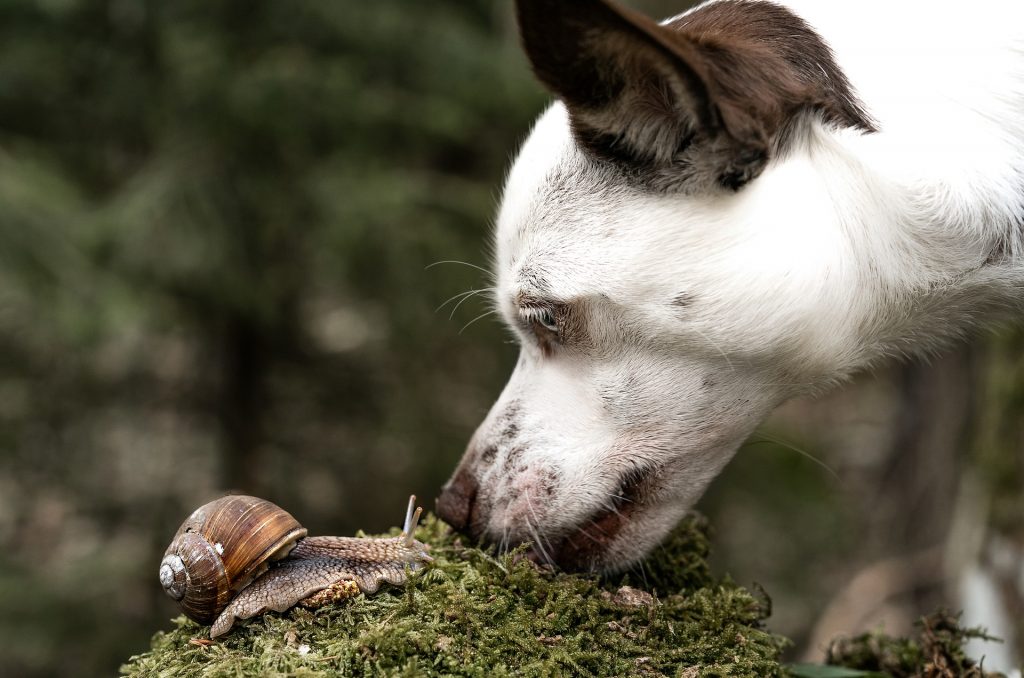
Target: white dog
{"x": 742, "y": 204}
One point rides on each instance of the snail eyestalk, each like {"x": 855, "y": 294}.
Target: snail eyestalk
{"x": 412, "y": 518}
{"x": 408, "y": 513}
{"x": 412, "y": 528}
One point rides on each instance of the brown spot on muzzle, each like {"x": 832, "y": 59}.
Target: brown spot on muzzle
{"x": 458, "y": 504}
{"x": 585, "y": 549}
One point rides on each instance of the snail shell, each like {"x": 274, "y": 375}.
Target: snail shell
{"x": 221, "y": 548}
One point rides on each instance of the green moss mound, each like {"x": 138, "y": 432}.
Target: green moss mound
{"x": 473, "y": 614}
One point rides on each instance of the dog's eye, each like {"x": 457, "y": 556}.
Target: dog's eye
{"x": 546, "y": 319}
{"x": 542, "y": 322}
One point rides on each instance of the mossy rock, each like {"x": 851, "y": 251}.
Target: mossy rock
{"x": 474, "y": 614}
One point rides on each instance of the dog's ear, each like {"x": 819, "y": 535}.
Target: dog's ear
{"x": 641, "y": 95}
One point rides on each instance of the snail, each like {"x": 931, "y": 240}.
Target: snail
{"x": 240, "y": 556}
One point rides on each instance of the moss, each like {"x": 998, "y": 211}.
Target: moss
{"x": 937, "y": 651}
{"x": 472, "y": 614}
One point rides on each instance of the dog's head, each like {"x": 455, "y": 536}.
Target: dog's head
{"x": 662, "y": 311}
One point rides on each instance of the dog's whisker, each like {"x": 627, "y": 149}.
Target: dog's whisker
{"x": 609, "y": 508}
{"x": 504, "y": 543}
{"x": 538, "y": 544}
{"x": 790, "y": 446}
{"x": 588, "y": 535}
{"x": 716, "y": 347}
{"x": 597, "y": 527}
{"x": 643, "y": 573}
{"x": 454, "y": 297}
{"x": 482, "y": 315}
{"x": 461, "y": 301}
{"x": 456, "y": 261}
{"x": 533, "y": 531}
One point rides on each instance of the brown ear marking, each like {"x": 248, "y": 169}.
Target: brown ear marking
{"x": 583, "y": 50}
{"x": 703, "y": 100}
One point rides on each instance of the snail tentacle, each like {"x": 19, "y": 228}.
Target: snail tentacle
{"x": 412, "y": 519}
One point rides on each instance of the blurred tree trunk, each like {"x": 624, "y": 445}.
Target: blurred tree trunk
{"x": 987, "y": 538}
{"x": 945, "y": 504}
{"x": 242, "y": 403}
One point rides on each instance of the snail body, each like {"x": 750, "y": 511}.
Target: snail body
{"x": 277, "y": 566}
{"x": 324, "y": 570}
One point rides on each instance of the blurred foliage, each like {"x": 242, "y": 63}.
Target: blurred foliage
{"x": 216, "y": 220}
{"x": 998, "y": 435}
{"x": 776, "y": 481}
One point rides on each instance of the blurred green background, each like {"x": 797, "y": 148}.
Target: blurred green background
{"x": 219, "y": 224}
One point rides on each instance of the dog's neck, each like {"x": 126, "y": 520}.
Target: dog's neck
{"x": 929, "y": 258}
{"x": 927, "y": 210}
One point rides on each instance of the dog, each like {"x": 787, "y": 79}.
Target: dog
{"x": 744, "y": 203}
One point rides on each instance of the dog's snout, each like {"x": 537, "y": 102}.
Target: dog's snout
{"x": 457, "y": 503}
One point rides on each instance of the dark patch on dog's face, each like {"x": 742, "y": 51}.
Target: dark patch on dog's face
{"x": 513, "y": 458}
{"x": 488, "y": 454}
{"x": 506, "y": 436}
{"x": 548, "y": 484}
{"x": 683, "y": 300}
{"x": 508, "y": 424}
{"x": 502, "y": 441}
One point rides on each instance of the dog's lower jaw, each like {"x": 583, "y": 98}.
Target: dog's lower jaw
{"x": 611, "y": 541}
{"x": 582, "y": 549}
{"x": 605, "y": 542}
{"x": 587, "y": 549}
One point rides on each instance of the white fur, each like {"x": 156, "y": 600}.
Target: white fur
{"x": 848, "y": 249}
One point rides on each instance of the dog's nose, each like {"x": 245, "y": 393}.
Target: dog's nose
{"x": 457, "y": 503}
